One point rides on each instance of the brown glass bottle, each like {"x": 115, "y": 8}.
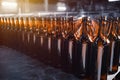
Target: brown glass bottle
{"x": 64, "y": 46}
{"x": 5, "y": 32}
{"x": 56, "y": 37}
{"x": 12, "y": 33}
{"x": 68, "y": 45}
{"x": 102, "y": 52}
{"x": 17, "y": 33}
{"x": 39, "y": 39}
{"x": 36, "y": 38}
{"x": 82, "y": 53}
{"x": 50, "y": 55}
{"x": 55, "y": 42}
{"x": 8, "y": 31}
{"x": 22, "y": 38}
{"x": 0, "y": 32}
{"x": 31, "y": 33}
{"x": 44, "y": 40}
{"x": 115, "y": 44}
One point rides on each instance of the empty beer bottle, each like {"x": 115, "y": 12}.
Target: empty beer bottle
{"x": 15, "y": 26}
{"x": 41, "y": 46}
{"x": 68, "y": 45}
{"x": 17, "y": 33}
{"x": 12, "y": 33}
{"x": 44, "y": 40}
{"x": 77, "y": 47}
{"x": 115, "y": 44}
{"x": 118, "y": 32}
{"x": 22, "y": 37}
{"x": 28, "y": 35}
{"x": 5, "y": 32}
{"x": 39, "y": 39}
{"x": 64, "y": 45}
{"x": 31, "y": 37}
{"x": 8, "y": 29}
{"x": 36, "y": 38}
{"x": 92, "y": 27}
{"x": 0, "y": 32}
{"x": 53, "y": 48}
{"x": 56, "y": 41}
{"x": 103, "y": 48}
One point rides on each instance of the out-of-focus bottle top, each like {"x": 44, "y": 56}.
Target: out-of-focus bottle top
{"x": 21, "y": 18}
{"x": 54, "y": 18}
{"x": 39, "y": 18}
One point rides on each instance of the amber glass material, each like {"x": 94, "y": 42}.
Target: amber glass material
{"x": 114, "y": 56}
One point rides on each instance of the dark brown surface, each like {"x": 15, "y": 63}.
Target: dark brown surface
{"x": 17, "y": 66}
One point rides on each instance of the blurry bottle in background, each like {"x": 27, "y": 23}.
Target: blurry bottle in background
{"x": 49, "y": 39}
{"x": 36, "y": 38}
{"x": 52, "y": 35}
{"x": 8, "y": 30}
{"x": 15, "y": 27}
{"x": 67, "y": 44}
{"x": 44, "y": 40}
{"x": 31, "y": 37}
{"x": 5, "y": 23}
{"x": 0, "y": 32}
{"x": 5, "y": 32}
{"x": 28, "y": 35}
{"x": 2, "y": 22}
{"x": 22, "y": 37}
{"x": 8, "y": 23}
{"x": 64, "y": 45}
{"x": 17, "y": 33}
{"x": 39, "y": 39}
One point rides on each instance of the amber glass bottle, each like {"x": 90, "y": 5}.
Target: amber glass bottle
{"x": 36, "y": 38}
{"x": 102, "y": 53}
{"x": 0, "y": 32}
{"x": 16, "y": 33}
{"x": 39, "y": 39}
{"x": 115, "y": 44}
{"x": 21, "y": 34}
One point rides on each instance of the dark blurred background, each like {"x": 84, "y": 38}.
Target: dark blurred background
{"x": 32, "y": 6}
